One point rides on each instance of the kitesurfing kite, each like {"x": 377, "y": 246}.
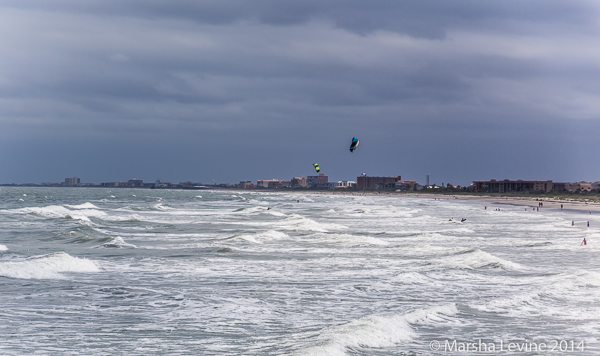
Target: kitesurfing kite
{"x": 354, "y": 144}
{"x": 316, "y": 165}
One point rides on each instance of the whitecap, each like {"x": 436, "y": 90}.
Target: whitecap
{"x": 161, "y": 207}
{"x": 261, "y": 237}
{"x": 297, "y": 222}
{"x": 59, "y": 211}
{"x": 86, "y": 205}
{"x": 376, "y": 331}
{"x": 118, "y": 242}
{"x": 477, "y": 258}
{"x": 47, "y": 266}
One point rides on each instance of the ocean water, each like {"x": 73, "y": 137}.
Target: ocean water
{"x": 138, "y": 272}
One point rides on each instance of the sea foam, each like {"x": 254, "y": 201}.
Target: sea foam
{"x": 476, "y": 258}
{"x": 261, "y": 237}
{"x": 47, "y": 266}
{"x": 118, "y": 242}
{"x": 376, "y": 331}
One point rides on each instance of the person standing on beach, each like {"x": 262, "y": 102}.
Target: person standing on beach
{"x": 561, "y": 206}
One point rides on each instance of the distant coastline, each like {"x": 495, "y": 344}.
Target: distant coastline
{"x": 568, "y": 201}
{"x": 565, "y": 202}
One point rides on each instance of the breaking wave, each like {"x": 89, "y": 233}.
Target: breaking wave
{"x": 47, "y": 266}
{"x": 261, "y": 237}
{"x": 87, "y": 205}
{"x": 81, "y": 212}
{"x": 475, "y": 258}
{"x": 376, "y": 331}
{"x": 118, "y": 242}
{"x": 295, "y": 222}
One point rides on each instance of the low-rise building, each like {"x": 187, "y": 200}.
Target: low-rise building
{"x": 341, "y": 184}
{"x": 372, "y": 183}
{"x": 319, "y": 182}
{"x": 161, "y": 184}
{"x": 298, "y": 182}
{"x": 270, "y": 183}
{"x": 506, "y": 185}
{"x": 580, "y": 187}
{"x": 347, "y": 184}
{"x": 408, "y": 185}
{"x": 245, "y": 185}
{"x": 71, "y": 182}
{"x": 109, "y": 184}
{"x": 135, "y": 183}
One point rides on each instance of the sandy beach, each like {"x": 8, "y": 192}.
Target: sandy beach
{"x": 489, "y": 201}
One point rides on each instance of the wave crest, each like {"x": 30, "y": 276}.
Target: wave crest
{"x": 377, "y": 331}
{"x": 47, "y": 266}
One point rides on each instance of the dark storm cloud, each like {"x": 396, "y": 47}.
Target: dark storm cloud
{"x": 259, "y": 88}
{"x": 428, "y": 18}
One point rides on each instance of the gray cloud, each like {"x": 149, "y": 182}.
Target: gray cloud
{"x": 457, "y": 89}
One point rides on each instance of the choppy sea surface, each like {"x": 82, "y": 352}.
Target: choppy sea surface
{"x": 138, "y": 272}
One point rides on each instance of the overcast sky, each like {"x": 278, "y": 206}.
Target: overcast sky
{"x": 245, "y": 90}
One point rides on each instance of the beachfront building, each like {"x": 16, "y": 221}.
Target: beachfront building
{"x": 581, "y": 187}
{"x": 71, "y": 182}
{"x": 160, "y": 184}
{"x": 319, "y": 182}
{"x": 342, "y": 184}
{"x": 273, "y": 183}
{"x": 347, "y": 184}
{"x": 264, "y": 183}
{"x": 298, "y": 182}
{"x": 135, "y": 183}
{"x": 245, "y": 184}
{"x": 282, "y": 184}
{"x": 408, "y": 185}
{"x": 113, "y": 184}
{"x": 506, "y": 185}
{"x": 372, "y": 183}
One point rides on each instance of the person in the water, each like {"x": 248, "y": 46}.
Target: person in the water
{"x": 584, "y": 242}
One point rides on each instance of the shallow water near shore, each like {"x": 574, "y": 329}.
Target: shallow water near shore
{"x": 131, "y": 271}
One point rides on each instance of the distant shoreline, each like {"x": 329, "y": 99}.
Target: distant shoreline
{"x": 528, "y": 201}
{"x": 486, "y": 200}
